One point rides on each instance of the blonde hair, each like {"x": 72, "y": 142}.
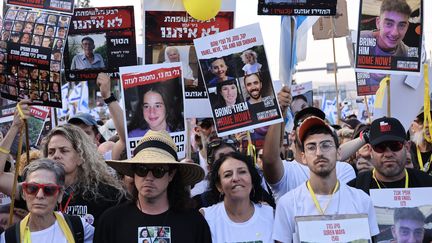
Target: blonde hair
{"x": 34, "y": 155}
{"x": 93, "y": 171}
{"x": 248, "y": 52}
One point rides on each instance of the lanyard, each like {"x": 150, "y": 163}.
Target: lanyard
{"x": 63, "y": 210}
{"x": 420, "y": 159}
{"x": 406, "y": 178}
{"x": 317, "y": 205}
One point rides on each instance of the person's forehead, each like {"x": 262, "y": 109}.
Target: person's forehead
{"x": 394, "y": 16}
{"x": 252, "y": 78}
{"x": 317, "y": 138}
{"x": 218, "y": 62}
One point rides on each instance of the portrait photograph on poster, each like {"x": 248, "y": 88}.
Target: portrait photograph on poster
{"x": 297, "y": 7}
{"x": 237, "y": 78}
{"x": 389, "y": 38}
{"x": 403, "y": 214}
{"x": 153, "y": 100}
{"x": 100, "y": 40}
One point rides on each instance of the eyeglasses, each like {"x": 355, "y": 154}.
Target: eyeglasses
{"x": 157, "y": 172}
{"x": 48, "y": 189}
{"x": 324, "y": 146}
{"x": 392, "y": 145}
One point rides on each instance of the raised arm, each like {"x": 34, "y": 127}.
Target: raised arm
{"x": 272, "y": 162}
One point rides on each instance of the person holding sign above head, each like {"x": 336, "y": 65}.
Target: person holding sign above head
{"x": 392, "y": 25}
{"x": 322, "y": 194}
{"x": 389, "y": 157}
{"x": 154, "y": 111}
{"x": 88, "y": 59}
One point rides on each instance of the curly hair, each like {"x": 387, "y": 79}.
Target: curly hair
{"x": 178, "y": 193}
{"x": 256, "y": 195}
{"x": 93, "y": 172}
{"x": 172, "y": 116}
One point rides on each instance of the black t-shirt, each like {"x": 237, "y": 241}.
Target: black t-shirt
{"x": 416, "y": 178}
{"x": 126, "y": 223}
{"x": 91, "y": 210}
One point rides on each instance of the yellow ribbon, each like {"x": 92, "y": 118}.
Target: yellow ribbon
{"x": 406, "y": 178}
{"x": 251, "y": 150}
{"x": 25, "y": 234}
{"x": 379, "y": 96}
{"x": 317, "y": 205}
{"x": 420, "y": 159}
{"x": 20, "y": 112}
{"x": 426, "y": 110}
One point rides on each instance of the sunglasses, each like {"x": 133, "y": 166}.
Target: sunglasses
{"x": 48, "y": 189}
{"x": 392, "y": 145}
{"x": 157, "y": 172}
{"x": 213, "y": 145}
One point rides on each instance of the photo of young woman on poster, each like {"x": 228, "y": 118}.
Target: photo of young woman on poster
{"x": 228, "y": 94}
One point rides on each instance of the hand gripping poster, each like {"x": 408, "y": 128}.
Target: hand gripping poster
{"x": 297, "y": 7}
{"x": 100, "y": 40}
{"x": 403, "y": 214}
{"x": 389, "y": 38}
{"x": 153, "y": 100}
{"x": 237, "y": 78}
{"x": 31, "y": 53}
{"x": 169, "y": 34}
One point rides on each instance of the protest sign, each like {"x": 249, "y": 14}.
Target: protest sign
{"x": 365, "y": 83}
{"x": 237, "y": 78}
{"x": 333, "y": 228}
{"x": 389, "y": 38}
{"x": 169, "y": 33}
{"x": 336, "y": 26}
{"x": 53, "y": 5}
{"x": 100, "y": 40}
{"x": 297, "y": 7}
{"x": 302, "y": 96}
{"x": 399, "y": 209}
{"x": 153, "y": 99}
{"x": 31, "y": 50}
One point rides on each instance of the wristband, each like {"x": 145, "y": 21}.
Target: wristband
{"x": 110, "y": 99}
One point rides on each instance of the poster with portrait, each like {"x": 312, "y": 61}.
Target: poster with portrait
{"x": 364, "y": 84}
{"x": 302, "y": 96}
{"x": 100, "y": 40}
{"x": 389, "y": 38}
{"x": 237, "y": 78}
{"x": 169, "y": 33}
{"x": 403, "y": 213}
{"x": 149, "y": 234}
{"x": 333, "y": 228}
{"x": 153, "y": 100}
{"x": 297, "y": 7}
{"x": 66, "y": 6}
{"x": 31, "y": 51}
{"x": 7, "y": 107}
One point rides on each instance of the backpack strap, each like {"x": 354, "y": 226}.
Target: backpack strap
{"x": 12, "y": 234}
{"x": 75, "y": 224}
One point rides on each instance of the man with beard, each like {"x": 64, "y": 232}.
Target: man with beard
{"x": 319, "y": 147}
{"x": 421, "y": 150}
{"x": 389, "y": 157}
{"x": 253, "y": 86}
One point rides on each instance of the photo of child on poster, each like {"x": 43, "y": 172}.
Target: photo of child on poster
{"x": 100, "y": 40}
{"x": 153, "y": 100}
{"x": 389, "y": 37}
{"x": 297, "y": 7}
{"x": 236, "y": 74}
{"x": 169, "y": 37}
{"x": 31, "y": 51}
{"x": 66, "y": 6}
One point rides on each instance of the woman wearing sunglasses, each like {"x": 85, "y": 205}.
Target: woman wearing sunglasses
{"x": 238, "y": 217}
{"x": 43, "y": 188}
{"x": 90, "y": 189}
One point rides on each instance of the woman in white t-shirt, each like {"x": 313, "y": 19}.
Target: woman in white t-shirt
{"x": 239, "y": 216}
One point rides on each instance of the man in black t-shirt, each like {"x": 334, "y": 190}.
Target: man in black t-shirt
{"x": 389, "y": 157}
{"x": 161, "y": 207}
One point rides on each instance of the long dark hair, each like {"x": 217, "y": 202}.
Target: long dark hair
{"x": 173, "y": 116}
{"x": 221, "y": 101}
{"x": 256, "y": 194}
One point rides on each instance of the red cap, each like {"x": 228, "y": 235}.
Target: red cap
{"x": 310, "y": 122}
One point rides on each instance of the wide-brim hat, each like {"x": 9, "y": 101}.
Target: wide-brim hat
{"x": 157, "y": 147}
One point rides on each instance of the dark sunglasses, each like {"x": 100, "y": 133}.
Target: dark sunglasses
{"x": 206, "y": 123}
{"x": 48, "y": 189}
{"x": 157, "y": 172}
{"x": 392, "y": 145}
{"x": 215, "y": 144}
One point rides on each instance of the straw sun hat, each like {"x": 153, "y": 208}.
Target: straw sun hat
{"x": 157, "y": 147}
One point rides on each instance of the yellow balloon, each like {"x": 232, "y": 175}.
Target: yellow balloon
{"x": 202, "y": 9}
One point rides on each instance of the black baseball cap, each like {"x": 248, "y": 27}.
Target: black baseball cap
{"x": 386, "y": 129}
{"x": 306, "y": 112}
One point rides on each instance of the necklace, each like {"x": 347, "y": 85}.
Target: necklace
{"x": 379, "y": 186}
{"x": 317, "y": 205}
